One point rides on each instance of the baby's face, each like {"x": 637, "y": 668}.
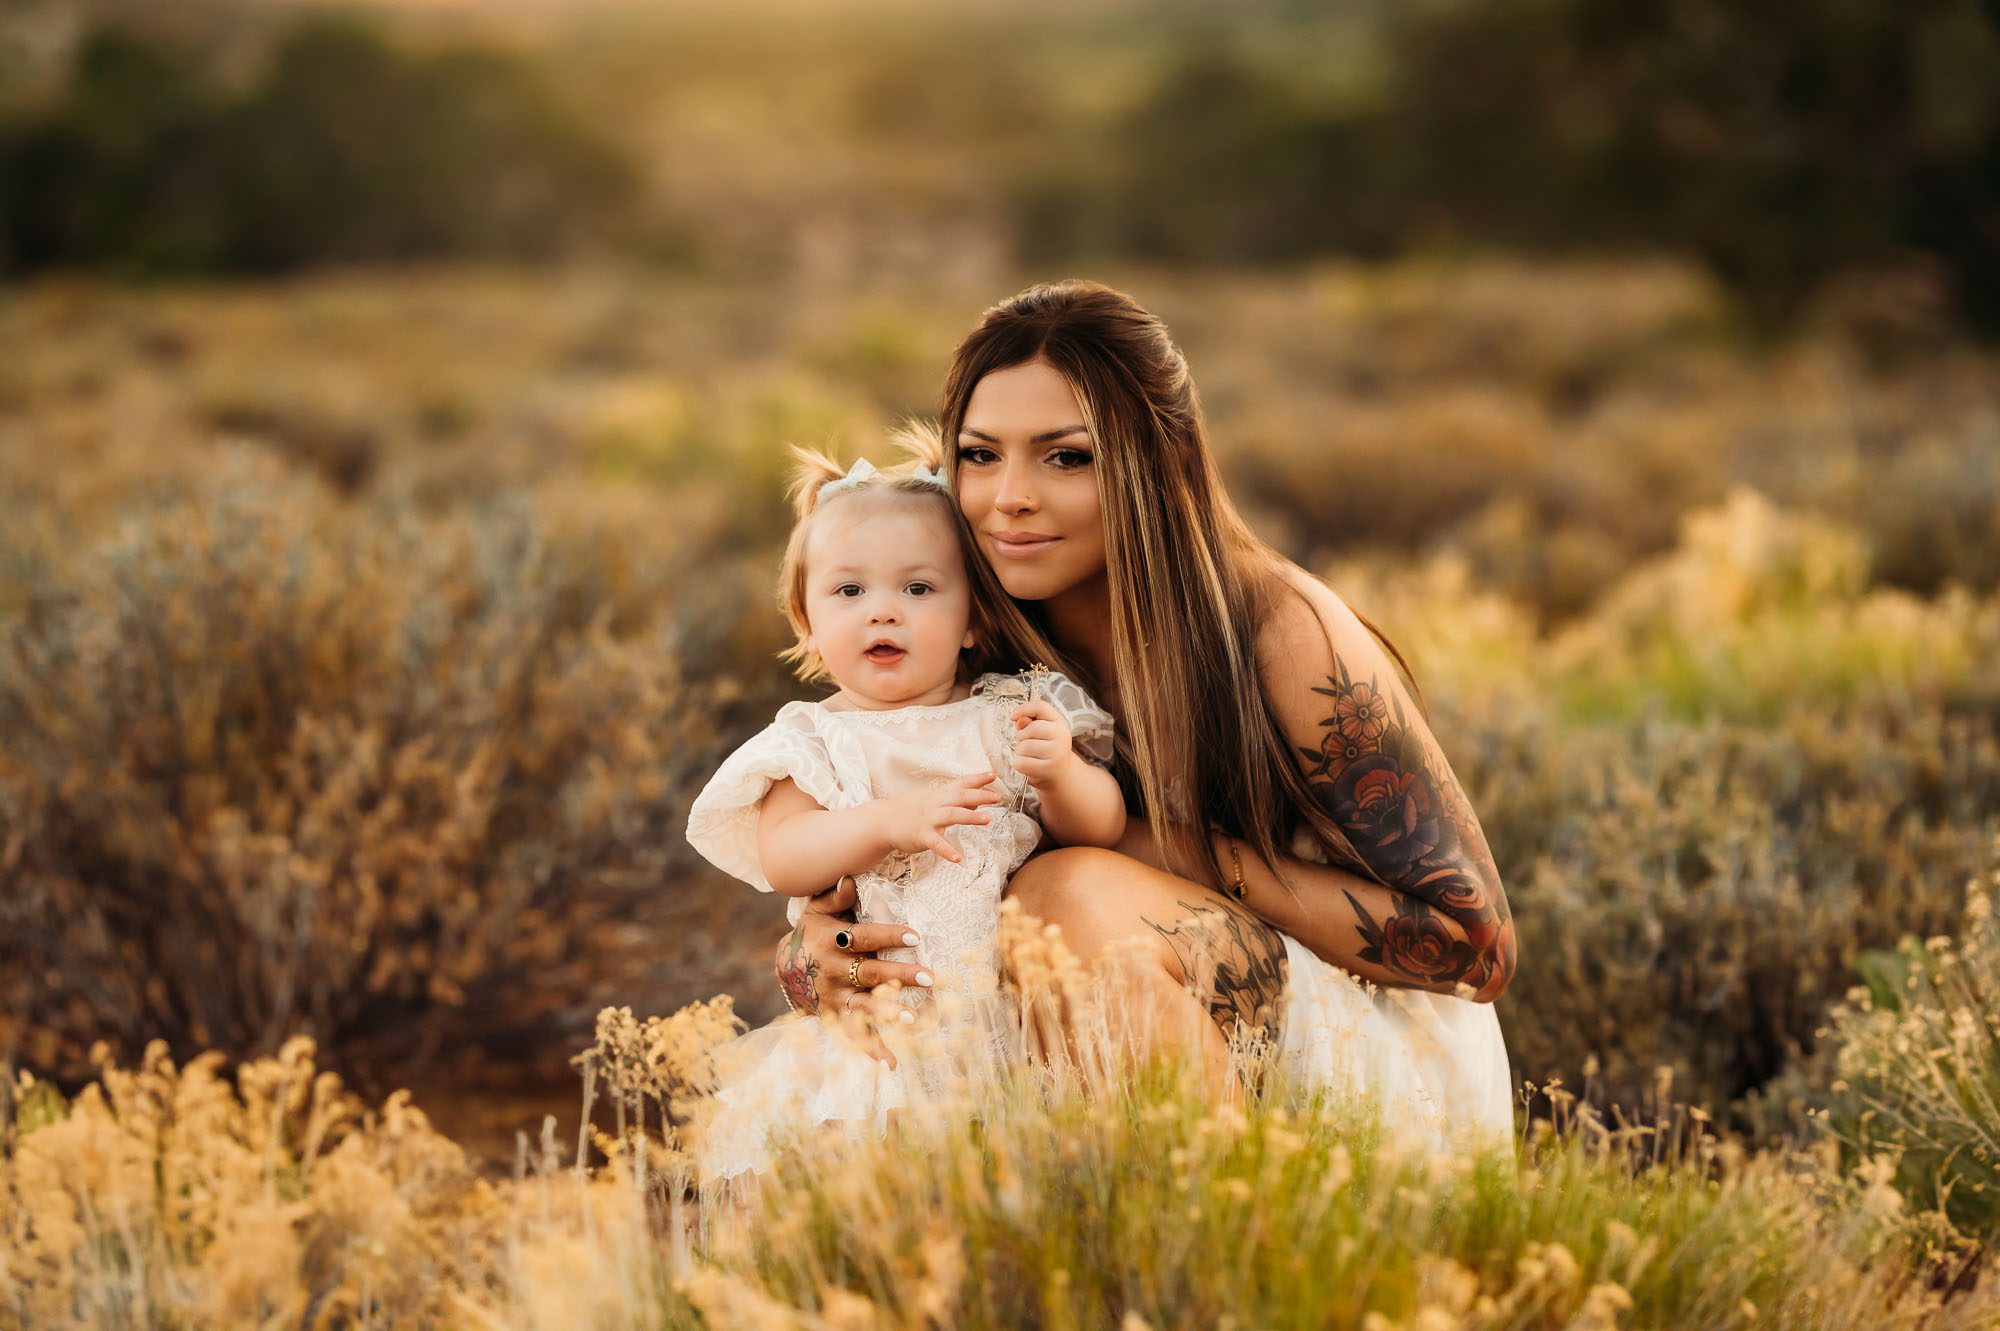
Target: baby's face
{"x": 888, "y": 600}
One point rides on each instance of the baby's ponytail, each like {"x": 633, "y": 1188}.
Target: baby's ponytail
{"x": 811, "y": 468}
{"x": 920, "y": 444}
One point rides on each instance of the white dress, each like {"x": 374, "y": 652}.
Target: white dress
{"x": 1437, "y": 1063}
{"x": 799, "y": 1072}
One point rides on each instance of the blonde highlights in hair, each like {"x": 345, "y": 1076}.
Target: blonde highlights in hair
{"x": 812, "y": 469}
{"x": 1190, "y": 583}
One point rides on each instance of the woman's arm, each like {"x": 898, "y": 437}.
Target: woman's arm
{"x": 1378, "y": 772}
{"x": 1336, "y": 936}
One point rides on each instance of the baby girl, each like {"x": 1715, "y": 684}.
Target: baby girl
{"x": 926, "y": 782}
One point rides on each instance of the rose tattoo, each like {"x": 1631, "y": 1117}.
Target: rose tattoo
{"x": 1388, "y": 787}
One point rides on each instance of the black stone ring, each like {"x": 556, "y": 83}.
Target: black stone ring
{"x": 843, "y": 940}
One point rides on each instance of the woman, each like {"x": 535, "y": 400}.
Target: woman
{"x": 1290, "y": 807}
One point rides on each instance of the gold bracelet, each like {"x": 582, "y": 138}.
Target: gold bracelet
{"x": 1236, "y": 858}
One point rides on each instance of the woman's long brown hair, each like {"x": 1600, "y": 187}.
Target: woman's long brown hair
{"x": 1190, "y": 583}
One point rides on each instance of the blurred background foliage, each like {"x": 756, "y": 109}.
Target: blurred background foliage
{"x": 391, "y": 410}
{"x": 1779, "y": 146}
{"x": 340, "y": 148}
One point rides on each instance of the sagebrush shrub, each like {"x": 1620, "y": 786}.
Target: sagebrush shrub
{"x": 277, "y": 765}
{"x": 1916, "y": 1067}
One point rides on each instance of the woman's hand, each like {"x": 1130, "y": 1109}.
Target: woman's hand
{"x": 818, "y": 975}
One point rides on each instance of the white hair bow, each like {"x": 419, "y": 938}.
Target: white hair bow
{"x": 861, "y": 469}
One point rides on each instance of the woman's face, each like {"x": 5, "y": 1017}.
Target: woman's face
{"x": 1027, "y": 481}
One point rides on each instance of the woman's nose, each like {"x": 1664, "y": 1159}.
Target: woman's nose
{"x": 1015, "y": 495}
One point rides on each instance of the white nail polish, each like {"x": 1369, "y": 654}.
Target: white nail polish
{"x": 909, "y": 940}
{"x": 909, "y": 1017}
{"x": 924, "y": 978}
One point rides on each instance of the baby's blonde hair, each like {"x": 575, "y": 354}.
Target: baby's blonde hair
{"x": 813, "y": 468}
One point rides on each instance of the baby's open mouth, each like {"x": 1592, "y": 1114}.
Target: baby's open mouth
{"x": 885, "y": 653}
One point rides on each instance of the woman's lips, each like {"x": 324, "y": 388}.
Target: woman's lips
{"x": 1017, "y": 549}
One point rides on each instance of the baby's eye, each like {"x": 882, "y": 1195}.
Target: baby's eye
{"x": 846, "y": 587}
{"x": 919, "y": 589}
{"x": 974, "y": 454}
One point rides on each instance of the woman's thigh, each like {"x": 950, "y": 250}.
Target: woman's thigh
{"x": 1099, "y": 898}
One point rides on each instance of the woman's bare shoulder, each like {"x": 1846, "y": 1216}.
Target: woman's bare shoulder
{"x": 1305, "y": 627}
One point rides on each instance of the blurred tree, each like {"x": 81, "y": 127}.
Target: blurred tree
{"x": 110, "y": 176}
{"x": 1781, "y": 144}
{"x": 345, "y": 149}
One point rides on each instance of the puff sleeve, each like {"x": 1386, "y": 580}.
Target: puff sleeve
{"x": 722, "y": 822}
{"x": 1091, "y": 727}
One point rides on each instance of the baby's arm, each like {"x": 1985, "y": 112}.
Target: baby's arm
{"x": 804, "y": 848}
{"x": 1081, "y": 802}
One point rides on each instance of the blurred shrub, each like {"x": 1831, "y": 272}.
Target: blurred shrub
{"x": 1710, "y": 795}
{"x": 272, "y": 765}
{"x": 1758, "y": 607}
{"x": 1394, "y": 473}
{"x": 1710, "y": 885}
{"x": 343, "y": 149}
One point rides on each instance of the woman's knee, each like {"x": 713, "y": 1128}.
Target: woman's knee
{"x": 1054, "y": 886}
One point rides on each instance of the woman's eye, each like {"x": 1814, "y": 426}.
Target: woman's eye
{"x": 1071, "y": 458}
{"x": 974, "y": 455}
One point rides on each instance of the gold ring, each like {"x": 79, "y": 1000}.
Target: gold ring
{"x": 854, "y": 972}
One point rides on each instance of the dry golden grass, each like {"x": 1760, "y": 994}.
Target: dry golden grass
{"x": 1915, "y": 1080}
{"x": 165, "y": 1196}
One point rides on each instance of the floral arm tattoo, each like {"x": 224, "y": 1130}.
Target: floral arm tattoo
{"x": 797, "y": 970}
{"x": 1387, "y": 785}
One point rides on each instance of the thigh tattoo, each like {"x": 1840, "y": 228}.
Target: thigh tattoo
{"x": 1236, "y": 960}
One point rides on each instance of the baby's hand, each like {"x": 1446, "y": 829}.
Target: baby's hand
{"x": 916, "y": 822}
{"x": 1042, "y": 750}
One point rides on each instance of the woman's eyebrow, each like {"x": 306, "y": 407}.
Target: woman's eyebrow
{"x": 1047, "y": 436}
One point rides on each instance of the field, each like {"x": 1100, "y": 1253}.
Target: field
{"x": 363, "y": 638}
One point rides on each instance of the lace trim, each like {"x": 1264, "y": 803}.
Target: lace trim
{"x": 980, "y": 693}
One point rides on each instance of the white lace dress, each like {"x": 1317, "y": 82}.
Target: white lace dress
{"x": 799, "y": 1072}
